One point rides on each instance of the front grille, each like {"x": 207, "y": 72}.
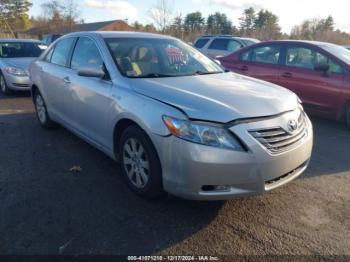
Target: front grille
{"x": 277, "y": 139}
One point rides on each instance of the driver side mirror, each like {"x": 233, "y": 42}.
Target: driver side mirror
{"x": 91, "y": 72}
{"x": 325, "y": 68}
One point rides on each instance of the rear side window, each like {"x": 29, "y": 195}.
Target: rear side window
{"x": 266, "y": 54}
{"x": 201, "y": 42}
{"x": 86, "y": 54}
{"x": 300, "y": 57}
{"x": 225, "y": 44}
{"x": 61, "y": 52}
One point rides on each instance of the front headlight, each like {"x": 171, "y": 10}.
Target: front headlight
{"x": 199, "y": 133}
{"x": 16, "y": 71}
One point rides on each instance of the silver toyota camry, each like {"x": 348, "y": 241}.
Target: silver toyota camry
{"x": 175, "y": 120}
{"x": 15, "y": 58}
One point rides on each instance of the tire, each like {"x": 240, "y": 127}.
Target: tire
{"x": 347, "y": 115}
{"x": 140, "y": 163}
{"x": 41, "y": 112}
{"x": 3, "y": 85}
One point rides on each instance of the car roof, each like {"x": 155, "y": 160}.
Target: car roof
{"x": 228, "y": 36}
{"x": 16, "y": 40}
{"x": 317, "y": 43}
{"x": 122, "y": 34}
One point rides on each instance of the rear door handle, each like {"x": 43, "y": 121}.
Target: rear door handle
{"x": 243, "y": 68}
{"x": 287, "y": 74}
{"x": 66, "y": 80}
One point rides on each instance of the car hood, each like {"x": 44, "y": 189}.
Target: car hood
{"x": 22, "y": 62}
{"x": 218, "y": 97}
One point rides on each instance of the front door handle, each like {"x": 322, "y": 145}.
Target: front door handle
{"x": 287, "y": 74}
{"x": 243, "y": 68}
{"x": 66, "y": 80}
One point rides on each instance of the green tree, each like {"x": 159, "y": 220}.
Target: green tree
{"x": 138, "y": 26}
{"x": 177, "y": 27}
{"x": 218, "y": 23}
{"x": 150, "y": 28}
{"x": 315, "y": 29}
{"x": 57, "y": 16}
{"x": 194, "y": 22}
{"x": 247, "y": 21}
{"x": 266, "y": 25}
{"x": 14, "y": 15}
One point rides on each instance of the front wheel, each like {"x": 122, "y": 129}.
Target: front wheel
{"x": 3, "y": 86}
{"x": 140, "y": 163}
{"x": 41, "y": 112}
{"x": 347, "y": 115}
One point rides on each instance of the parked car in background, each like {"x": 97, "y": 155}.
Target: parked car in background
{"x": 50, "y": 38}
{"x": 175, "y": 119}
{"x": 15, "y": 57}
{"x": 319, "y": 73}
{"x": 347, "y": 47}
{"x": 216, "y": 46}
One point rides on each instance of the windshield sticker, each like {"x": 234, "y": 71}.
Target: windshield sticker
{"x": 174, "y": 54}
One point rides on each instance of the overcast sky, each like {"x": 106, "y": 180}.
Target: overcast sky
{"x": 289, "y": 12}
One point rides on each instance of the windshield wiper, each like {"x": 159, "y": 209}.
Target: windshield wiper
{"x": 152, "y": 75}
{"x": 207, "y": 73}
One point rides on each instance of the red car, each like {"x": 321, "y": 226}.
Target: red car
{"x": 319, "y": 73}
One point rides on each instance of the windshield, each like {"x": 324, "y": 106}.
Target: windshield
{"x": 338, "y": 51}
{"x": 147, "y": 57}
{"x": 20, "y": 49}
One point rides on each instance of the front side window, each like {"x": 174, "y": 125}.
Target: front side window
{"x": 146, "y": 57}
{"x": 245, "y": 56}
{"x": 338, "y": 51}
{"x": 61, "y": 52}
{"x": 266, "y": 54}
{"x": 86, "y": 54}
{"x": 321, "y": 59}
{"x": 300, "y": 57}
{"x": 20, "y": 49}
{"x": 201, "y": 42}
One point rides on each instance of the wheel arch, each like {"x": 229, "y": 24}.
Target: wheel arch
{"x": 119, "y": 128}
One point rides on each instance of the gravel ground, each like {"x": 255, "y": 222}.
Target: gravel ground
{"x": 46, "y": 209}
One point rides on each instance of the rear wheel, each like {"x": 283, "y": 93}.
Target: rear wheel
{"x": 140, "y": 163}
{"x": 3, "y": 86}
{"x": 41, "y": 112}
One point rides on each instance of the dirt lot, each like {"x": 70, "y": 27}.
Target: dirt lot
{"x": 46, "y": 209}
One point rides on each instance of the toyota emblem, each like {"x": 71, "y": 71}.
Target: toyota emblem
{"x": 292, "y": 125}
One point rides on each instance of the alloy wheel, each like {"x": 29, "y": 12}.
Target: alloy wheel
{"x": 136, "y": 163}
{"x": 348, "y": 116}
{"x": 40, "y": 108}
{"x": 2, "y": 84}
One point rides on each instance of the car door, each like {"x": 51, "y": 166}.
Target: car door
{"x": 90, "y": 98}
{"x": 318, "y": 89}
{"x": 53, "y": 78}
{"x": 261, "y": 62}
{"x": 222, "y": 47}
